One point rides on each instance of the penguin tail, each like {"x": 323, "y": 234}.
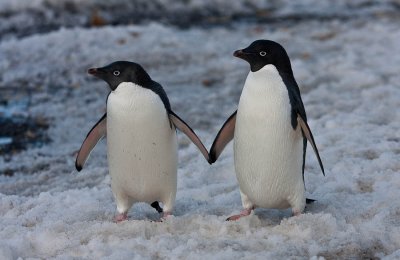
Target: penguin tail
{"x": 309, "y": 201}
{"x": 156, "y": 205}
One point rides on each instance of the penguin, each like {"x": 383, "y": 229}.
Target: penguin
{"x": 270, "y": 133}
{"x": 141, "y": 139}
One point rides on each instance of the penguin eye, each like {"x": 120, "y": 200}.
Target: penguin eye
{"x": 263, "y": 53}
{"x": 116, "y": 73}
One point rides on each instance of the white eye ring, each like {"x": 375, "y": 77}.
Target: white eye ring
{"x": 116, "y": 73}
{"x": 263, "y": 53}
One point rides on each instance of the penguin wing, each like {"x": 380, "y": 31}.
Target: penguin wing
{"x": 95, "y": 134}
{"x": 308, "y": 134}
{"x": 224, "y": 136}
{"x": 299, "y": 116}
{"x": 185, "y": 128}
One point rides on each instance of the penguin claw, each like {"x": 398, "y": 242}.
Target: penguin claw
{"x": 243, "y": 213}
{"x": 165, "y": 216}
{"x": 296, "y": 213}
{"x": 234, "y": 218}
{"x": 120, "y": 217}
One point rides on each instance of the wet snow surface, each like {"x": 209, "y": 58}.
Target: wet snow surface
{"x": 348, "y": 72}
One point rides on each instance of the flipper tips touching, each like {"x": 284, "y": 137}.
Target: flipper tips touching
{"x": 185, "y": 128}
{"x": 78, "y": 167}
{"x": 211, "y": 158}
{"x": 224, "y": 136}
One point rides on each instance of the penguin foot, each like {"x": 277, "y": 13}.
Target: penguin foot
{"x": 296, "y": 213}
{"x": 120, "y": 217}
{"x": 243, "y": 213}
{"x": 165, "y": 216}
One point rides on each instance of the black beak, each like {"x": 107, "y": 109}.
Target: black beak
{"x": 239, "y": 54}
{"x": 97, "y": 72}
{"x": 92, "y": 71}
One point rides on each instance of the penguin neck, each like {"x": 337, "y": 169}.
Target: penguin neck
{"x": 271, "y": 70}
{"x": 265, "y": 92}
{"x": 129, "y": 97}
{"x": 266, "y": 81}
{"x": 266, "y": 70}
{"x": 126, "y": 89}
{"x": 281, "y": 69}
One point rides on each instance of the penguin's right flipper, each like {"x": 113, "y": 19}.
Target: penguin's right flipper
{"x": 95, "y": 134}
{"x": 224, "y": 136}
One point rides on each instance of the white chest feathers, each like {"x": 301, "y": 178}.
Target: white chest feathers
{"x": 268, "y": 151}
{"x": 142, "y": 147}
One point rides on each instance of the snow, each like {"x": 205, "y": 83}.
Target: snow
{"x": 5, "y": 140}
{"x": 348, "y": 72}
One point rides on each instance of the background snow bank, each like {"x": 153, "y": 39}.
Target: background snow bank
{"x": 348, "y": 74}
{"x": 22, "y": 18}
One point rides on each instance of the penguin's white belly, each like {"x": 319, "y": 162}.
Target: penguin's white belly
{"x": 142, "y": 146}
{"x": 268, "y": 152}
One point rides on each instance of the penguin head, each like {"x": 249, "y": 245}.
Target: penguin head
{"x": 121, "y": 71}
{"x": 265, "y": 52}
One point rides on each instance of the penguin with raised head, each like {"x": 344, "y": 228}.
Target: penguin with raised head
{"x": 141, "y": 139}
{"x": 270, "y": 133}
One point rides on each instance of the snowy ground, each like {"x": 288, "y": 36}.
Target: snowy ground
{"x": 348, "y": 72}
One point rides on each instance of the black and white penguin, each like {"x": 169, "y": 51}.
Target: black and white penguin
{"x": 270, "y": 133}
{"x": 141, "y": 139}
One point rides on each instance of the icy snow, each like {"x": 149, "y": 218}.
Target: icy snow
{"x": 349, "y": 76}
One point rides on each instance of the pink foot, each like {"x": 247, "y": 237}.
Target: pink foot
{"x": 243, "y": 213}
{"x": 296, "y": 213}
{"x": 165, "y": 216}
{"x": 120, "y": 217}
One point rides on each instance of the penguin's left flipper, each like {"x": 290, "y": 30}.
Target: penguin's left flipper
{"x": 308, "y": 134}
{"x": 224, "y": 136}
{"x": 95, "y": 134}
{"x": 185, "y": 128}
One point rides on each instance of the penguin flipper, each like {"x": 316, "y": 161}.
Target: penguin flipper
{"x": 185, "y": 128}
{"x": 95, "y": 134}
{"x": 224, "y": 136}
{"x": 308, "y": 134}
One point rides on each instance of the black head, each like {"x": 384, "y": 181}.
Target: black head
{"x": 122, "y": 71}
{"x": 264, "y": 52}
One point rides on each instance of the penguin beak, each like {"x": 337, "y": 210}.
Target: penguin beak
{"x": 92, "y": 71}
{"x": 96, "y": 71}
{"x": 239, "y": 54}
